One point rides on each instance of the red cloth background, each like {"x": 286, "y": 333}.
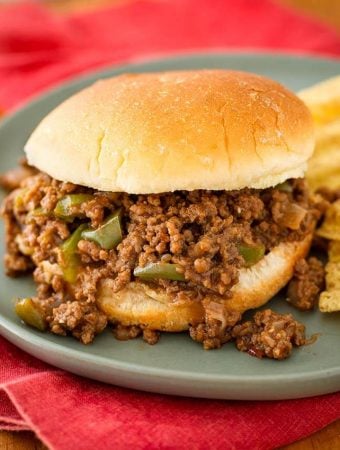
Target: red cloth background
{"x": 37, "y": 50}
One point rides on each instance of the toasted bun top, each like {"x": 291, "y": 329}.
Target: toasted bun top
{"x": 161, "y": 132}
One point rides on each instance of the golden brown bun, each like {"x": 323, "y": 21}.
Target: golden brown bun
{"x": 161, "y": 132}
{"x": 140, "y": 304}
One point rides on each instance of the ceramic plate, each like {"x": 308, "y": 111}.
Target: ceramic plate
{"x": 177, "y": 365}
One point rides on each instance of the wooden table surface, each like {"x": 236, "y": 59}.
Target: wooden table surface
{"x": 326, "y": 439}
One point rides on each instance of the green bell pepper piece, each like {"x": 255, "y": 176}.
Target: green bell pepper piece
{"x": 30, "y": 313}
{"x": 64, "y": 207}
{"x": 284, "y": 187}
{"x": 39, "y": 212}
{"x": 19, "y": 200}
{"x": 153, "y": 271}
{"x": 70, "y": 257}
{"x": 108, "y": 235}
{"x": 251, "y": 253}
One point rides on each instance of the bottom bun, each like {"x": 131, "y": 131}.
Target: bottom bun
{"x": 143, "y": 304}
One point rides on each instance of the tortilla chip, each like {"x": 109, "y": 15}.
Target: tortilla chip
{"x": 330, "y": 228}
{"x": 333, "y": 276}
{"x": 329, "y": 301}
{"x": 334, "y": 251}
{"x": 323, "y": 99}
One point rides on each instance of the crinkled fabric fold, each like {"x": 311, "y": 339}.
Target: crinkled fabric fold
{"x": 91, "y": 415}
{"x": 39, "y": 48}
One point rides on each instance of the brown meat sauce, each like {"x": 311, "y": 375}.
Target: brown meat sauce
{"x": 199, "y": 231}
{"x": 269, "y": 334}
{"x": 306, "y": 284}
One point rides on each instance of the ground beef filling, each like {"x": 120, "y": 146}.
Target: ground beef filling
{"x": 269, "y": 334}
{"x": 200, "y": 231}
{"x": 307, "y": 283}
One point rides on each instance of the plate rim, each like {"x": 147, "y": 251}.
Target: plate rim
{"x": 39, "y": 342}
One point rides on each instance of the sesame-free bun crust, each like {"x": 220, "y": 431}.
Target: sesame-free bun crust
{"x": 161, "y": 132}
{"x": 142, "y": 304}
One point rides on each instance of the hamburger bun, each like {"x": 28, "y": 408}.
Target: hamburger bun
{"x": 141, "y": 304}
{"x": 161, "y": 132}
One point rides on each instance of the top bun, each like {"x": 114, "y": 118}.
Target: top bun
{"x": 161, "y": 132}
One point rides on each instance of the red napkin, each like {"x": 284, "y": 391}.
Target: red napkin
{"x": 38, "y": 49}
{"x": 68, "y": 412}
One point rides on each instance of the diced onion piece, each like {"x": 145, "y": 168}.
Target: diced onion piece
{"x": 293, "y": 216}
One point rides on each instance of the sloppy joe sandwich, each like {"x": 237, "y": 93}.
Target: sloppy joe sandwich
{"x": 164, "y": 202}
